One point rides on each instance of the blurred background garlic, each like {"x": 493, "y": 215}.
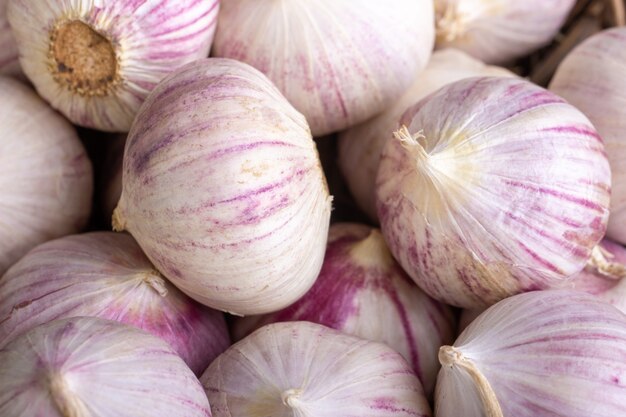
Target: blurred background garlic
{"x": 9, "y": 63}
{"x": 97, "y": 61}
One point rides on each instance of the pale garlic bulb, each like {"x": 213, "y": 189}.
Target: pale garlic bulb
{"x": 339, "y": 62}
{"x": 309, "y": 370}
{"x": 91, "y": 367}
{"x": 494, "y": 186}
{"x": 45, "y": 175}
{"x": 592, "y": 78}
{"x": 223, "y": 189}
{"x": 96, "y": 61}
{"x": 360, "y": 146}
{"x": 9, "y": 63}
{"x": 498, "y": 31}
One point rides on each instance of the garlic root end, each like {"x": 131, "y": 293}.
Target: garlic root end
{"x": 600, "y": 262}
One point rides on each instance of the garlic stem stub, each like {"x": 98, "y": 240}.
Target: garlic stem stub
{"x": 106, "y": 275}
{"x": 306, "y": 369}
{"x": 91, "y": 367}
{"x": 46, "y": 179}
{"x": 9, "y": 63}
{"x": 538, "y": 354}
{"x": 96, "y": 62}
{"x": 223, "y": 189}
{"x": 339, "y": 62}
{"x": 492, "y": 187}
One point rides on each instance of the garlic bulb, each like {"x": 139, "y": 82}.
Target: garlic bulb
{"x": 96, "y": 61}
{"x": 360, "y": 146}
{"x": 90, "y": 367}
{"x": 9, "y": 63}
{"x": 339, "y": 62}
{"x": 539, "y": 354}
{"x": 498, "y": 31}
{"x": 305, "y": 369}
{"x": 223, "y": 189}
{"x": 495, "y": 186}
{"x": 45, "y": 174}
{"x": 591, "y": 77}
{"x": 105, "y": 274}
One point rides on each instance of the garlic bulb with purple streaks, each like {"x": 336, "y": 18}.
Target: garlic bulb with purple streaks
{"x": 90, "y": 367}
{"x": 223, "y": 189}
{"x": 45, "y": 175}
{"x": 309, "y": 370}
{"x": 339, "y": 62}
{"x": 97, "y": 61}
{"x": 592, "y": 78}
{"x": 494, "y": 186}
{"x": 498, "y": 31}
{"x": 539, "y": 354}
{"x": 362, "y": 291}
{"x": 105, "y": 274}
{"x": 9, "y": 63}
{"x": 360, "y": 146}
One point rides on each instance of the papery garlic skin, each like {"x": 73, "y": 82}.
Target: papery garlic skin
{"x": 498, "y": 31}
{"x": 591, "y": 77}
{"x": 86, "y": 366}
{"x": 339, "y": 62}
{"x": 543, "y": 353}
{"x": 46, "y": 180}
{"x": 223, "y": 189}
{"x": 306, "y": 369}
{"x": 9, "y": 63}
{"x": 498, "y": 187}
{"x": 105, "y": 274}
{"x": 360, "y": 146}
{"x": 131, "y": 46}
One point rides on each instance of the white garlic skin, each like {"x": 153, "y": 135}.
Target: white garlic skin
{"x": 9, "y": 63}
{"x": 46, "y": 180}
{"x": 87, "y": 366}
{"x": 306, "y": 369}
{"x": 505, "y": 190}
{"x": 223, "y": 189}
{"x": 544, "y": 354}
{"x": 498, "y": 31}
{"x": 339, "y": 62}
{"x": 360, "y": 146}
{"x": 150, "y": 38}
{"x": 591, "y": 77}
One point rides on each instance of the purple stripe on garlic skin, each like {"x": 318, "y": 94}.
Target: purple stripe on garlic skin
{"x": 52, "y": 200}
{"x": 105, "y": 274}
{"x": 362, "y": 291}
{"x": 495, "y": 187}
{"x": 87, "y": 366}
{"x": 137, "y": 43}
{"x": 306, "y": 369}
{"x": 9, "y": 63}
{"x": 223, "y": 189}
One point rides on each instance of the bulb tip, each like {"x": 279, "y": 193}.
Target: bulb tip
{"x": 449, "y": 356}
{"x": 291, "y": 397}
{"x": 117, "y": 220}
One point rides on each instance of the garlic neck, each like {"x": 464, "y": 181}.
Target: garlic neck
{"x": 118, "y": 221}
{"x": 65, "y": 400}
{"x": 155, "y": 280}
{"x": 600, "y": 263}
{"x": 291, "y": 398}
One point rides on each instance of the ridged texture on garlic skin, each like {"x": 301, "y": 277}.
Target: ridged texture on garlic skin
{"x": 592, "y": 78}
{"x": 9, "y": 63}
{"x": 339, "y": 62}
{"x": 498, "y": 31}
{"x": 502, "y": 188}
{"x": 105, "y": 274}
{"x": 362, "y": 291}
{"x": 360, "y": 146}
{"x": 46, "y": 178}
{"x": 151, "y": 38}
{"x": 223, "y": 189}
{"x": 86, "y": 366}
{"x": 305, "y": 369}
{"x": 544, "y": 354}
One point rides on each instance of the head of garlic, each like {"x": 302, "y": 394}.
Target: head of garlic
{"x": 97, "y": 61}
{"x": 494, "y": 186}
{"x": 223, "y": 189}
{"x": 87, "y": 366}
{"x": 105, "y": 274}
{"x": 306, "y": 369}
{"x": 9, "y": 63}
{"x": 498, "y": 31}
{"x": 360, "y": 146}
{"x": 539, "y": 354}
{"x": 339, "y": 62}
{"x": 45, "y": 175}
